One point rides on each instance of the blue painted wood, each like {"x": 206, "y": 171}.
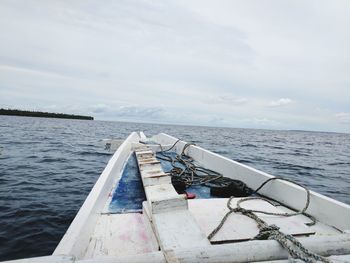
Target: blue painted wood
{"x": 129, "y": 194}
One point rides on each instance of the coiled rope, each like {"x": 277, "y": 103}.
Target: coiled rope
{"x": 290, "y": 243}
{"x": 185, "y": 170}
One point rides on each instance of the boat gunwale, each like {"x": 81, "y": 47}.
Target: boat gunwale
{"x": 77, "y": 237}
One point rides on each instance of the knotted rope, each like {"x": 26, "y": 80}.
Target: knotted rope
{"x": 291, "y": 244}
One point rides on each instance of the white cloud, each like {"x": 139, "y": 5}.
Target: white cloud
{"x": 139, "y": 111}
{"x": 228, "y": 99}
{"x": 280, "y": 102}
{"x": 343, "y": 117}
{"x": 181, "y": 62}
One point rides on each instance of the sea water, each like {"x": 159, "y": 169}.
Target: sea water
{"x": 48, "y": 167}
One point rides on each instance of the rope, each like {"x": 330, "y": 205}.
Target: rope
{"x": 185, "y": 170}
{"x": 301, "y": 212}
{"x": 291, "y": 244}
{"x": 161, "y": 146}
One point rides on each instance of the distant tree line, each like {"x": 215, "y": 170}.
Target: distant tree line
{"x": 14, "y": 112}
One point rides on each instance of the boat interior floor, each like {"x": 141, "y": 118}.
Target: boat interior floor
{"x": 126, "y": 225}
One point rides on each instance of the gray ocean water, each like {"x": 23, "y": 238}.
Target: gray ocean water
{"x": 48, "y": 167}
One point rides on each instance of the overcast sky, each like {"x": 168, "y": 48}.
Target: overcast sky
{"x": 255, "y": 64}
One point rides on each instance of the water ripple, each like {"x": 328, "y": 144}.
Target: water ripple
{"x": 48, "y": 167}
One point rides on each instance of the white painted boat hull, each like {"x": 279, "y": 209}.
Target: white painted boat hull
{"x": 173, "y": 229}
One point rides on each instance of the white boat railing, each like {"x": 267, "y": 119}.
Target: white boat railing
{"x": 77, "y": 237}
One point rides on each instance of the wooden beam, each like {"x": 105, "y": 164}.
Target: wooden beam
{"x": 340, "y": 259}
{"x": 160, "y": 193}
{"x": 168, "y": 212}
{"x": 262, "y": 250}
{"x": 154, "y": 257}
{"x": 163, "y": 198}
{"x": 45, "y": 259}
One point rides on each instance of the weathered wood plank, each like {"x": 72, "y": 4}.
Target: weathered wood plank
{"x": 154, "y": 257}
{"x": 265, "y": 250}
{"x": 178, "y": 229}
{"x": 156, "y": 179}
{"x": 209, "y": 212}
{"x": 163, "y": 197}
{"x": 338, "y": 259}
{"x": 121, "y": 235}
{"x": 171, "y": 230}
{"x": 144, "y": 153}
{"x": 45, "y": 259}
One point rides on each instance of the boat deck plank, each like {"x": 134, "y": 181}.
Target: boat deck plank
{"x": 121, "y": 234}
{"x": 178, "y": 229}
{"x": 319, "y": 228}
{"x": 209, "y": 212}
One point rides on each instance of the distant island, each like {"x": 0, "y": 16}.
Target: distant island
{"x": 25, "y": 113}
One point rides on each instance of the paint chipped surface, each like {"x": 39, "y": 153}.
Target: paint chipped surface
{"x": 129, "y": 194}
{"x": 121, "y": 234}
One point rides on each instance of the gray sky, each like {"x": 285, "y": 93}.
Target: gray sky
{"x": 255, "y": 64}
